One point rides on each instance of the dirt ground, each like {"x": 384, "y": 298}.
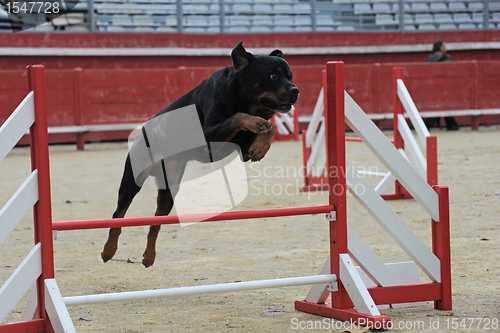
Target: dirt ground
{"x": 84, "y": 186}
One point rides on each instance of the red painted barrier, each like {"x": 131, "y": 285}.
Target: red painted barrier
{"x": 488, "y": 79}
{"x": 126, "y": 96}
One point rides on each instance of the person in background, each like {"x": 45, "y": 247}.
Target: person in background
{"x": 440, "y": 54}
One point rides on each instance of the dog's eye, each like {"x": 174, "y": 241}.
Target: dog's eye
{"x": 274, "y": 76}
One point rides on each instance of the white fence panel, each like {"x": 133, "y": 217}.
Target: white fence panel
{"x": 18, "y": 205}
{"x": 411, "y": 110}
{"x": 280, "y": 126}
{"x": 369, "y": 262}
{"x": 320, "y": 169}
{"x": 390, "y": 221}
{"x": 17, "y": 125}
{"x": 386, "y": 183}
{"x": 391, "y": 158}
{"x": 412, "y": 146}
{"x": 56, "y": 309}
{"x": 316, "y": 150}
{"x": 20, "y": 281}
{"x": 356, "y": 288}
{"x": 316, "y": 117}
{"x": 287, "y": 120}
{"x": 319, "y": 292}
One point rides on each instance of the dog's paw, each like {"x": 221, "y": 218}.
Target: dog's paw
{"x": 256, "y": 124}
{"x": 106, "y": 256}
{"x": 257, "y": 157}
{"x": 148, "y": 258}
{"x": 262, "y": 126}
{"x": 108, "y": 252}
{"x": 258, "y": 150}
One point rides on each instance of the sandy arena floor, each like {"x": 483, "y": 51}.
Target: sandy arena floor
{"x": 84, "y": 186}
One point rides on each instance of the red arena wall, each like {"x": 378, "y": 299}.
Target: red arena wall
{"x": 126, "y": 78}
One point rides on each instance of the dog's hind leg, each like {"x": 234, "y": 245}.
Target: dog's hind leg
{"x": 128, "y": 190}
{"x": 165, "y": 202}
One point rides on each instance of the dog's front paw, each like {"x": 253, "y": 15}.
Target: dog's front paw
{"x": 254, "y": 124}
{"x": 261, "y": 145}
{"x": 261, "y": 126}
{"x": 258, "y": 150}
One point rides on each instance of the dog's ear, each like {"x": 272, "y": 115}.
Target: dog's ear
{"x": 241, "y": 57}
{"x": 276, "y": 53}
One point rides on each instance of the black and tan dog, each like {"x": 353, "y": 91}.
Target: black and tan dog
{"x": 234, "y": 105}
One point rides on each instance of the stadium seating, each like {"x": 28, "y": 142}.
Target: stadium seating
{"x": 264, "y": 16}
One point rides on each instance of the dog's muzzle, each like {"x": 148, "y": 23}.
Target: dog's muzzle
{"x": 292, "y": 97}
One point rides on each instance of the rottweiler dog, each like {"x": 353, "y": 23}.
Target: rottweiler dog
{"x": 234, "y": 105}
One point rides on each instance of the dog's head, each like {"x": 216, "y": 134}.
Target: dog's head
{"x": 266, "y": 81}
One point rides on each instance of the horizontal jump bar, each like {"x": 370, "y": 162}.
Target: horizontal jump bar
{"x": 190, "y": 218}
{"x": 199, "y": 290}
{"x": 356, "y": 139}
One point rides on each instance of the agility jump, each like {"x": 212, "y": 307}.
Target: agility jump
{"x": 47, "y": 308}
{"x": 314, "y": 153}
{"x": 388, "y": 289}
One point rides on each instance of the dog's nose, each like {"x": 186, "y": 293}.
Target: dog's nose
{"x": 294, "y": 91}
